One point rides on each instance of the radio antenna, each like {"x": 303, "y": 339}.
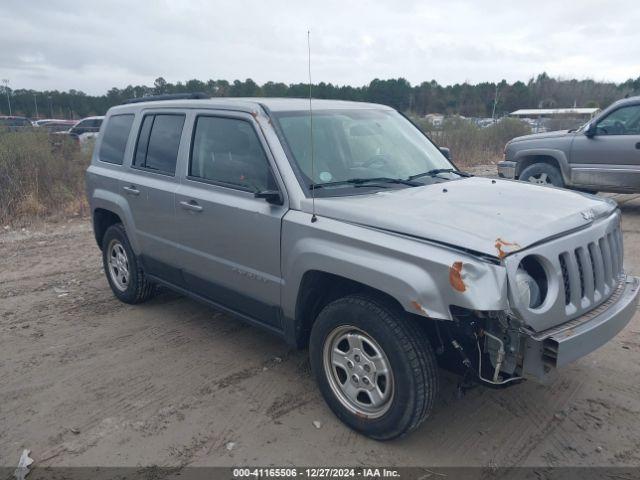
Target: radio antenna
{"x": 313, "y": 190}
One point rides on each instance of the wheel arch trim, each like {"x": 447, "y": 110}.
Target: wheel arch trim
{"x": 111, "y": 202}
{"x": 557, "y": 155}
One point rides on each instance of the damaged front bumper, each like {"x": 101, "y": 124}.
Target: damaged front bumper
{"x": 571, "y": 340}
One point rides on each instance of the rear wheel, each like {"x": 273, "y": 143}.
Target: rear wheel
{"x": 542, "y": 174}
{"x": 125, "y": 276}
{"x": 374, "y": 366}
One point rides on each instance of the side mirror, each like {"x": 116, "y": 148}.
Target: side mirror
{"x": 591, "y": 130}
{"x": 446, "y": 152}
{"x": 271, "y": 196}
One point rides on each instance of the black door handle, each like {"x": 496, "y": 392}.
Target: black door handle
{"x": 638, "y": 145}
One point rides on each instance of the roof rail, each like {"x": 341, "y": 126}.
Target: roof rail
{"x": 169, "y": 96}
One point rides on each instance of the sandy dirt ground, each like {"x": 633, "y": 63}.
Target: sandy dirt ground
{"x": 86, "y": 380}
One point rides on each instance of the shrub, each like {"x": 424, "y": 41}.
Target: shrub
{"x": 40, "y": 175}
{"x": 472, "y": 145}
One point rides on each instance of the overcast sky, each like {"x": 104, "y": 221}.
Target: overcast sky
{"x": 92, "y": 46}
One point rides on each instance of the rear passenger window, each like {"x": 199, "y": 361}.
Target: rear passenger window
{"x": 158, "y": 142}
{"x": 227, "y": 151}
{"x": 114, "y": 140}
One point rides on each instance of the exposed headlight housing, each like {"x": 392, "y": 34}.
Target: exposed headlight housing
{"x": 531, "y": 282}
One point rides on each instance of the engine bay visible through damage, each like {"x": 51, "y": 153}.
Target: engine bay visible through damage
{"x": 485, "y": 348}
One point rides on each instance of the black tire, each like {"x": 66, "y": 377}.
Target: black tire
{"x": 410, "y": 357}
{"x": 137, "y": 288}
{"x": 542, "y": 174}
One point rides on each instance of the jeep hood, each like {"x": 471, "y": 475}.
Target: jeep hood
{"x": 492, "y": 217}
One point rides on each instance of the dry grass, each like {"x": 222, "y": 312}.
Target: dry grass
{"x": 40, "y": 175}
{"x": 471, "y": 145}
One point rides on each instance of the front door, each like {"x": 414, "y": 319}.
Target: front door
{"x": 611, "y": 158}
{"x": 229, "y": 240}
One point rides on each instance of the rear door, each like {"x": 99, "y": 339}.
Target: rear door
{"x": 149, "y": 187}
{"x": 611, "y": 158}
{"x": 229, "y": 240}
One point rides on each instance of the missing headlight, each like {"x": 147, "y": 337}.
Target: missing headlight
{"x": 531, "y": 282}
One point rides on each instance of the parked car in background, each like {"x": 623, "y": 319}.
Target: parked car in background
{"x": 368, "y": 246}
{"x": 54, "y": 125}
{"x": 86, "y": 128}
{"x": 601, "y": 156}
{"x": 14, "y": 123}
{"x": 42, "y": 121}
{"x": 84, "y": 131}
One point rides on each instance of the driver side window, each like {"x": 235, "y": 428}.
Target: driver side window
{"x": 227, "y": 151}
{"x": 624, "y": 121}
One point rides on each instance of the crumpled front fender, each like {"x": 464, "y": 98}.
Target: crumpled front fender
{"x": 425, "y": 278}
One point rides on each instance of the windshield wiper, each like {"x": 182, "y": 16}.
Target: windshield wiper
{"x": 364, "y": 182}
{"x": 437, "y": 171}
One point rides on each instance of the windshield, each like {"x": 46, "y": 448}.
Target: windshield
{"x": 358, "y": 145}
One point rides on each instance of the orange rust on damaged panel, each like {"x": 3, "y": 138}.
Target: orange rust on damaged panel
{"x": 501, "y": 244}
{"x": 418, "y": 307}
{"x": 455, "y": 277}
{"x": 254, "y": 114}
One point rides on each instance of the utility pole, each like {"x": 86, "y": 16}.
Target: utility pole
{"x": 5, "y": 81}
{"x": 35, "y": 101}
{"x": 495, "y": 102}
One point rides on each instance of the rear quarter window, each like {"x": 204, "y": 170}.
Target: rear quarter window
{"x": 114, "y": 140}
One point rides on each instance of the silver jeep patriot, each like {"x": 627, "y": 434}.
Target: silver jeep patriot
{"x": 345, "y": 229}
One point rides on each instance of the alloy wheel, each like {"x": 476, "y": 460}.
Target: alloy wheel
{"x": 358, "y": 371}
{"x": 118, "y": 265}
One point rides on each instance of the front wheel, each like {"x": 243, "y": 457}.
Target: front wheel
{"x": 542, "y": 174}
{"x": 374, "y": 366}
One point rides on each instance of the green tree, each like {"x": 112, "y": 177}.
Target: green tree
{"x": 159, "y": 86}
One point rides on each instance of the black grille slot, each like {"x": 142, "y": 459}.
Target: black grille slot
{"x": 598, "y": 266}
{"x": 580, "y": 271}
{"x": 590, "y": 248}
{"x": 615, "y": 259}
{"x": 565, "y": 279}
{"x": 606, "y": 258}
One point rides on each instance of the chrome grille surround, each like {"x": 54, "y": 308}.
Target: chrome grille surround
{"x": 583, "y": 269}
